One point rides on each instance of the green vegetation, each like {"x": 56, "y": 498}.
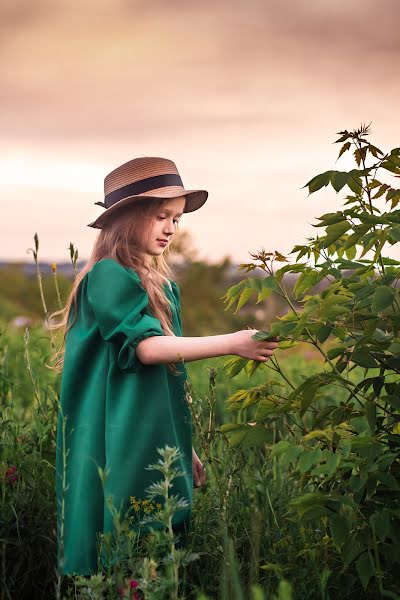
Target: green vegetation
{"x": 302, "y": 499}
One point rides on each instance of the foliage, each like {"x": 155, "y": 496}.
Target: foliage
{"x": 302, "y": 497}
{"x": 345, "y": 454}
{"x": 135, "y": 565}
{"x": 27, "y": 507}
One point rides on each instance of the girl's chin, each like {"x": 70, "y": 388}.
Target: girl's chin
{"x": 156, "y": 251}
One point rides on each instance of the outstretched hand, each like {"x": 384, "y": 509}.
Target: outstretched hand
{"x": 199, "y": 471}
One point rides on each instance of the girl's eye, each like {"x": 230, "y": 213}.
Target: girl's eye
{"x": 176, "y": 221}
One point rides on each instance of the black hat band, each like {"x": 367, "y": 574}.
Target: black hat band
{"x": 139, "y": 187}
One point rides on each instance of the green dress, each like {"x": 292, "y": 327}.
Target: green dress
{"x": 118, "y": 411}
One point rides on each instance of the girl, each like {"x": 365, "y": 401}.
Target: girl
{"x": 122, "y": 358}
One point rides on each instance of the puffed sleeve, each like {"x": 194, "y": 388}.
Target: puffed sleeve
{"x": 119, "y": 304}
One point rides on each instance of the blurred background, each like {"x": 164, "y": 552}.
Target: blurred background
{"x": 246, "y": 97}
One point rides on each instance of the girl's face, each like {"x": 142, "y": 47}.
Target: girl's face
{"x": 164, "y": 225}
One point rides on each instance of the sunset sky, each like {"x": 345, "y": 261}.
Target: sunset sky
{"x": 245, "y": 97}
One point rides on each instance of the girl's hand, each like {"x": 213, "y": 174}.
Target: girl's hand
{"x": 199, "y": 472}
{"x": 243, "y": 345}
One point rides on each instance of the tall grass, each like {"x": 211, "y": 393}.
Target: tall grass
{"x": 244, "y": 541}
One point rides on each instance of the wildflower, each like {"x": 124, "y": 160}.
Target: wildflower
{"x": 21, "y": 438}
{"x": 126, "y": 591}
{"x": 158, "y": 505}
{"x": 135, "y": 503}
{"x": 153, "y": 568}
{"x": 11, "y": 475}
{"x": 54, "y": 267}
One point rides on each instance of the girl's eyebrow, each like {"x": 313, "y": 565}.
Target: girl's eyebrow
{"x": 167, "y": 210}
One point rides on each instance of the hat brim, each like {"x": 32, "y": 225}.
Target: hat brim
{"x": 194, "y": 200}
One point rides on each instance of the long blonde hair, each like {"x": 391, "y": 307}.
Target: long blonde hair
{"x": 123, "y": 239}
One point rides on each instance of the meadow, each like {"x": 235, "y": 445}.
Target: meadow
{"x": 255, "y": 543}
{"x": 302, "y": 499}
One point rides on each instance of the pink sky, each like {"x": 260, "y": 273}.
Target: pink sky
{"x": 246, "y": 98}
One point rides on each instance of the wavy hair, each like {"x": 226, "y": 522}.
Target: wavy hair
{"x": 123, "y": 238}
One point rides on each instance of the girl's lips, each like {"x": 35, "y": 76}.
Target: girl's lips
{"x": 162, "y": 242}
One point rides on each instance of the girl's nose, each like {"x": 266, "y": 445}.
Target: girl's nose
{"x": 169, "y": 227}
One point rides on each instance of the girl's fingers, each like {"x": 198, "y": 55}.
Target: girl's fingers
{"x": 199, "y": 475}
{"x": 203, "y": 475}
{"x": 265, "y": 353}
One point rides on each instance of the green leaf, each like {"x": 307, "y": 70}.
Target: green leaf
{"x": 394, "y": 348}
{"x": 344, "y": 149}
{"x": 235, "y": 365}
{"x": 334, "y": 232}
{"x": 364, "y": 292}
{"x": 339, "y": 529}
{"x": 244, "y": 296}
{"x": 285, "y": 590}
{"x": 232, "y": 293}
{"x": 390, "y": 165}
{"x": 388, "y": 480}
{"x": 308, "y": 459}
{"x": 364, "y": 359}
{"x": 354, "y": 182}
{"x": 248, "y": 436}
{"x": 359, "y": 232}
{"x": 339, "y": 180}
{"x": 395, "y": 199}
{"x": 329, "y": 467}
{"x": 228, "y": 427}
{"x": 251, "y": 366}
{"x": 374, "y": 184}
{"x": 306, "y": 281}
{"x": 381, "y": 191}
{"x": 334, "y": 352}
{"x": 265, "y": 407}
{"x": 267, "y": 285}
{"x": 365, "y": 568}
{"x": 289, "y": 269}
{"x": 391, "y": 193}
{"x": 316, "y": 183}
{"x": 280, "y": 448}
{"x": 383, "y": 297}
{"x": 267, "y": 335}
{"x": 291, "y": 455}
{"x": 381, "y": 243}
{"x": 392, "y": 400}
{"x": 380, "y": 521}
{"x": 370, "y": 413}
{"x": 351, "y": 252}
{"x": 394, "y": 232}
{"x": 374, "y": 150}
{"x": 324, "y": 332}
{"x": 377, "y": 384}
{"x": 369, "y": 241}
{"x": 307, "y": 390}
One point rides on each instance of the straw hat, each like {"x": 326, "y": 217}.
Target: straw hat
{"x": 148, "y": 177}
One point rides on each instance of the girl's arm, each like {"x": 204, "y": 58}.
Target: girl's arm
{"x": 166, "y": 349}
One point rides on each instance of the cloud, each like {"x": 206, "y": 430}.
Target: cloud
{"x": 243, "y": 96}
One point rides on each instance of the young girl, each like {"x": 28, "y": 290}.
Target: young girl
{"x": 123, "y": 362}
